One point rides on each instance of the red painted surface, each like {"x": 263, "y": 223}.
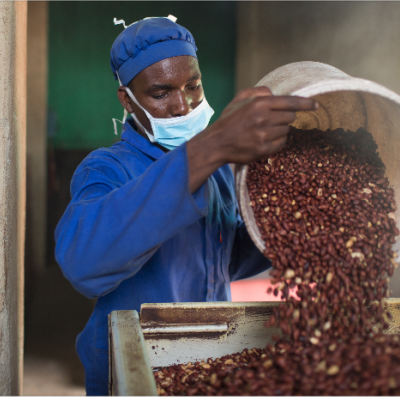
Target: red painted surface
{"x": 254, "y": 290}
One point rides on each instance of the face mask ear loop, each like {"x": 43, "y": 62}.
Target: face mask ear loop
{"x": 114, "y": 120}
{"x": 149, "y": 135}
{"x": 122, "y": 122}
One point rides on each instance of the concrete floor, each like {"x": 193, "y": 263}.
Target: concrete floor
{"x": 55, "y": 313}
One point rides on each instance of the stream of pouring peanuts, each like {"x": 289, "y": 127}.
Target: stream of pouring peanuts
{"x": 326, "y": 214}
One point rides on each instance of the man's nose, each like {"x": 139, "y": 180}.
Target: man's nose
{"x": 181, "y": 105}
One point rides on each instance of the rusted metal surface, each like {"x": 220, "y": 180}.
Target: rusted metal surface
{"x": 393, "y": 306}
{"x": 131, "y": 373}
{"x": 244, "y": 321}
{"x": 199, "y": 313}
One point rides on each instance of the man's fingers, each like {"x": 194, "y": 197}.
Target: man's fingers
{"x": 288, "y": 103}
{"x": 274, "y": 146}
{"x": 246, "y": 96}
{"x": 282, "y": 118}
{"x": 274, "y": 133}
{"x": 279, "y": 144}
{"x": 249, "y": 93}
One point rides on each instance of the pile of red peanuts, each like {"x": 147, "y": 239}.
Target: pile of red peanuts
{"x": 326, "y": 214}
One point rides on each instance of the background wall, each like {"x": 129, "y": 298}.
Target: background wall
{"x": 359, "y": 37}
{"x": 35, "y": 255}
{"x": 82, "y": 89}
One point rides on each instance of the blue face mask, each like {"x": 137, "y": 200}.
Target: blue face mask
{"x": 172, "y": 132}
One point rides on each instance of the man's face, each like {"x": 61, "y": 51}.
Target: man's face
{"x": 167, "y": 89}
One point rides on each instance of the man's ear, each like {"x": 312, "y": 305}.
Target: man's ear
{"x": 124, "y": 99}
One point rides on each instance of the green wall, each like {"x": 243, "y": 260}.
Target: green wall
{"x": 82, "y": 89}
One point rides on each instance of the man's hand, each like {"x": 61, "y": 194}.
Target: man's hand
{"x": 254, "y": 125}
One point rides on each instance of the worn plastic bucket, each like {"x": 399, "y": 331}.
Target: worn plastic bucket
{"x": 345, "y": 102}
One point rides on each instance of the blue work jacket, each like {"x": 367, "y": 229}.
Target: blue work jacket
{"x": 133, "y": 233}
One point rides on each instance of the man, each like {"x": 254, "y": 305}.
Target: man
{"x": 154, "y": 217}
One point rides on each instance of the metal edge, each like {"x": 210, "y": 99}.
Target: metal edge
{"x": 110, "y": 361}
{"x": 206, "y": 305}
{"x": 132, "y": 373}
{"x": 187, "y": 328}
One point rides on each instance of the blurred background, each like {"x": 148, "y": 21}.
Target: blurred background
{"x": 72, "y": 100}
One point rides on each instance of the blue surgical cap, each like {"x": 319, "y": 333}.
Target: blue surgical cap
{"x": 146, "y": 42}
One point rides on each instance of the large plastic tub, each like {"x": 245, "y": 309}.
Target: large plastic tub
{"x": 345, "y": 102}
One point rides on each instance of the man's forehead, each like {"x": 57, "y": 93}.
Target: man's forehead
{"x": 179, "y": 69}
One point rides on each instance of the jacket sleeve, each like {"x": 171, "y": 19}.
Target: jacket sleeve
{"x": 246, "y": 259}
{"x": 113, "y": 225}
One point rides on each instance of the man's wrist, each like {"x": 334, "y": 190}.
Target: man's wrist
{"x": 204, "y": 157}
{"x": 213, "y": 147}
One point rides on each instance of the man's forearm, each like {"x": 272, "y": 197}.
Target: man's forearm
{"x": 204, "y": 158}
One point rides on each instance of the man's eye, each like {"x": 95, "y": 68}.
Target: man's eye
{"x": 194, "y": 87}
{"x": 159, "y": 96}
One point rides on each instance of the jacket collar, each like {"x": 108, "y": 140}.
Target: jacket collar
{"x": 130, "y": 135}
